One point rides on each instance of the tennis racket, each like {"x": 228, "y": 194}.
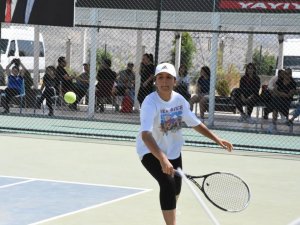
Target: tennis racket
{"x": 226, "y": 191}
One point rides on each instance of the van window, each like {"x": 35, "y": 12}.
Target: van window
{"x": 12, "y": 49}
{"x": 292, "y": 62}
{"x": 26, "y": 48}
{"x": 3, "y": 45}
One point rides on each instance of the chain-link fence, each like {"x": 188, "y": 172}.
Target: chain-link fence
{"x": 228, "y": 69}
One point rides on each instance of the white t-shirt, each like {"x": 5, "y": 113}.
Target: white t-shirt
{"x": 272, "y": 83}
{"x": 164, "y": 120}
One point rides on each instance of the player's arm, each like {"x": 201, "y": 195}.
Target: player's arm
{"x": 202, "y": 129}
{"x": 157, "y": 152}
{"x": 7, "y": 69}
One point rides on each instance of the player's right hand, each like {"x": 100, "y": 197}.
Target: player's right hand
{"x": 166, "y": 166}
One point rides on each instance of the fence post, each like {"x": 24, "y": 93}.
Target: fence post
{"x": 177, "y": 51}
{"x": 93, "y": 72}
{"x": 213, "y": 67}
{"x": 36, "y": 63}
{"x": 140, "y": 50}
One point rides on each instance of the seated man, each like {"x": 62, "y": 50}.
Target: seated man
{"x": 203, "y": 85}
{"x": 15, "y": 83}
{"x": 106, "y": 78}
{"x": 183, "y": 83}
{"x": 63, "y": 76}
{"x": 248, "y": 93}
{"x": 282, "y": 97}
{"x": 48, "y": 88}
{"x": 295, "y": 114}
{"x": 124, "y": 84}
{"x": 267, "y": 94}
{"x": 82, "y": 85}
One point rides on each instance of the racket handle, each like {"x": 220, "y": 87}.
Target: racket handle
{"x": 198, "y": 197}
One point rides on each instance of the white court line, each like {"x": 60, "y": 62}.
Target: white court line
{"x": 17, "y": 183}
{"x": 83, "y": 209}
{"x": 88, "y": 208}
{"x": 73, "y": 182}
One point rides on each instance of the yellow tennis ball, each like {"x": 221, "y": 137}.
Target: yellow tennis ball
{"x": 70, "y": 97}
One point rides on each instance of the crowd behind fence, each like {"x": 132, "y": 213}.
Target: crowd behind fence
{"x": 247, "y": 95}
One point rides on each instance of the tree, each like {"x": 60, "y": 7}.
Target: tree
{"x": 101, "y": 55}
{"x": 226, "y": 79}
{"x": 265, "y": 62}
{"x": 188, "y": 49}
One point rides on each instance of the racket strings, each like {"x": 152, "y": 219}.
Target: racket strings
{"x": 227, "y": 191}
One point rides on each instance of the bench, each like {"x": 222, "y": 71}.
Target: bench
{"x": 225, "y": 104}
{"x": 260, "y": 106}
{"x": 222, "y": 104}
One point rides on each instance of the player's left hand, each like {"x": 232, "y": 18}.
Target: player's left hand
{"x": 226, "y": 145}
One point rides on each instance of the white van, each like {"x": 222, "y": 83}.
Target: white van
{"x": 19, "y": 43}
{"x": 291, "y": 57}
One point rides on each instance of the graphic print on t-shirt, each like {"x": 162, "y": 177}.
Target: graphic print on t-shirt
{"x": 171, "y": 119}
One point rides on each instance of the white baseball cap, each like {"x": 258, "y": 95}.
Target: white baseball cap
{"x": 167, "y": 68}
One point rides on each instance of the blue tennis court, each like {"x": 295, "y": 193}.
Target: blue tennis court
{"x": 32, "y": 201}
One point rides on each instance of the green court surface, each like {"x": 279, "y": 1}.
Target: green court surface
{"x": 273, "y": 179}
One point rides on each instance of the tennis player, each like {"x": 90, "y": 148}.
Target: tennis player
{"x": 160, "y": 138}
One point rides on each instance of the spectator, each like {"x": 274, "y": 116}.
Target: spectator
{"x": 82, "y": 85}
{"x": 267, "y": 95}
{"x": 106, "y": 79}
{"x": 30, "y": 93}
{"x": 282, "y": 97}
{"x": 203, "y": 85}
{"x": 15, "y": 83}
{"x": 183, "y": 82}
{"x": 295, "y": 114}
{"x": 2, "y": 76}
{"x": 147, "y": 75}
{"x": 124, "y": 84}
{"x": 48, "y": 89}
{"x": 248, "y": 93}
{"x": 63, "y": 76}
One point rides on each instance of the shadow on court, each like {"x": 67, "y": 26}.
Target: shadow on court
{"x": 80, "y": 181}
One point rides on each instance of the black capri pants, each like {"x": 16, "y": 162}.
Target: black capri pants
{"x": 170, "y": 186}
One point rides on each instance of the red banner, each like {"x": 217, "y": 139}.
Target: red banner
{"x": 263, "y": 5}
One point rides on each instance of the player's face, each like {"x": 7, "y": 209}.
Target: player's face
{"x": 165, "y": 82}
{"x": 15, "y": 71}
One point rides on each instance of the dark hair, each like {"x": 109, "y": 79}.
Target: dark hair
{"x": 185, "y": 70}
{"x": 149, "y": 56}
{"x": 61, "y": 59}
{"x": 107, "y": 62}
{"x": 280, "y": 74}
{"x": 51, "y": 68}
{"x": 130, "y": 64}
{"x": 289, "y": 71}
{"x": 16, "y": 67}
{"x": 206, "y": 70}
{"x": 254, "y": 69}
